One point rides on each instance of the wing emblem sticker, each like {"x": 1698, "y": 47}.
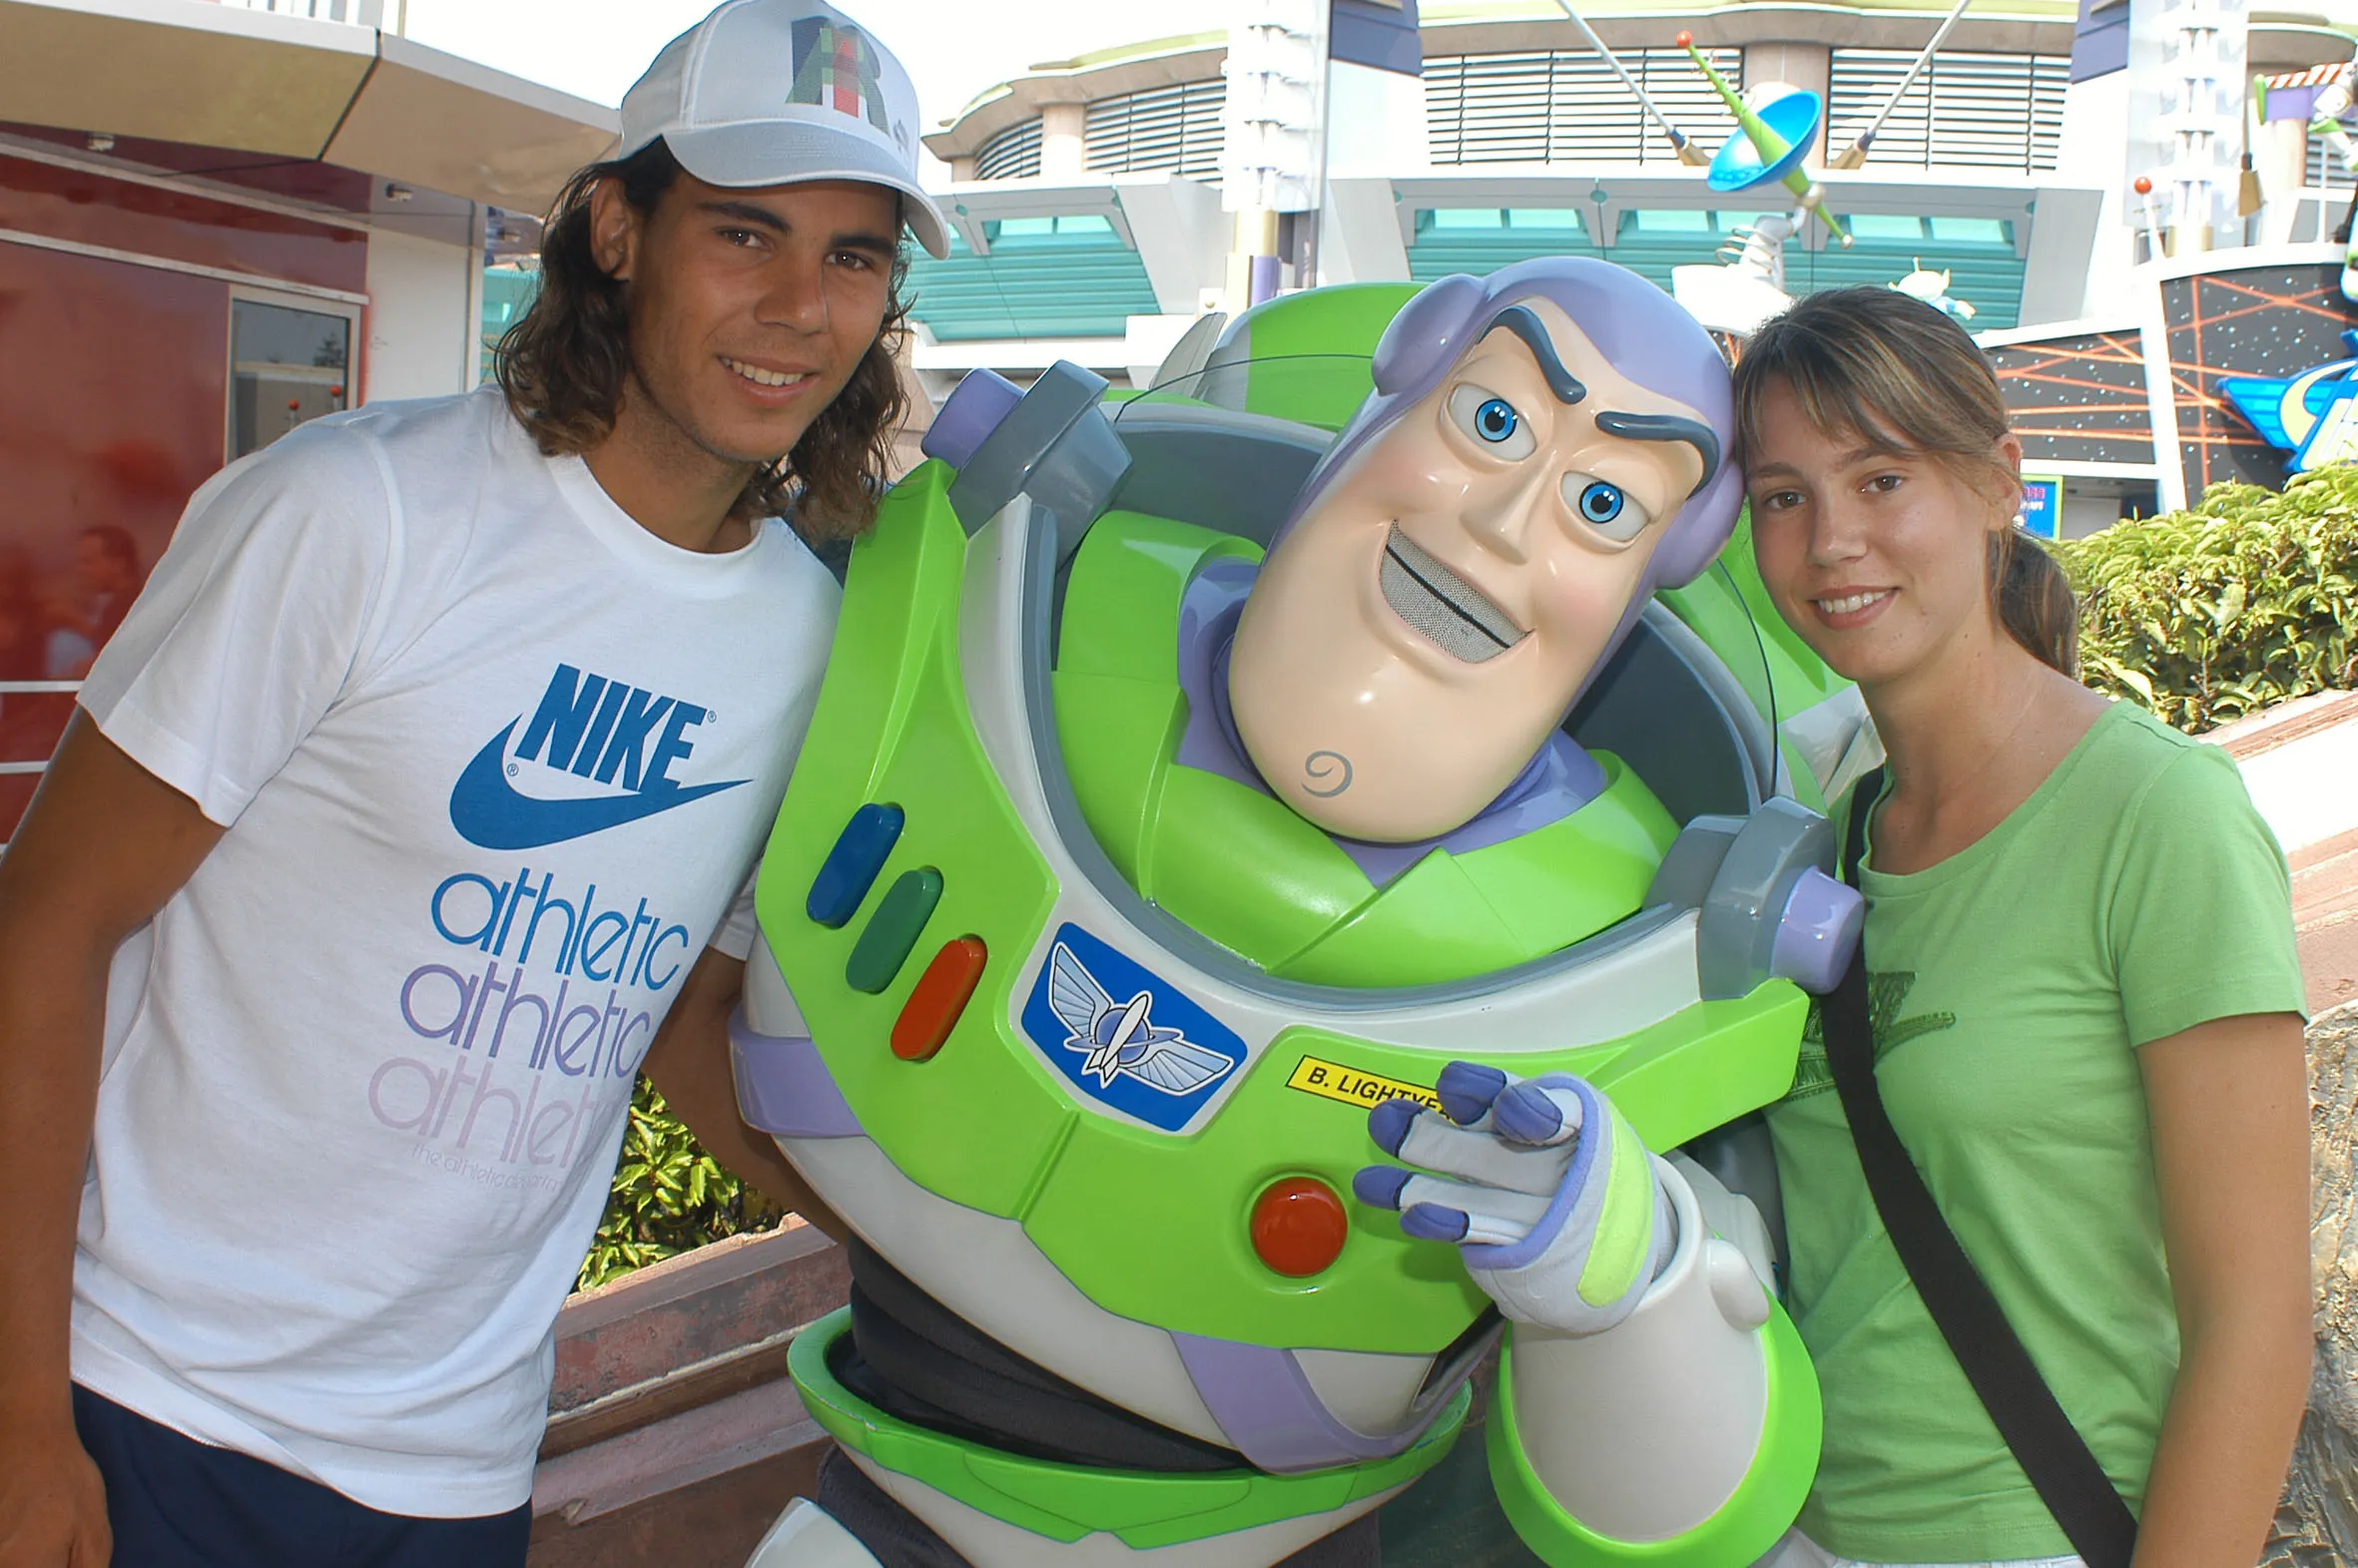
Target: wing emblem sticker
{"x": 1124, "y": 1036}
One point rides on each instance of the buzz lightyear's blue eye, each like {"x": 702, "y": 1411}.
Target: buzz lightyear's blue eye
{"x": 1605, "y": 507}
{"x": 1492, "y": 420}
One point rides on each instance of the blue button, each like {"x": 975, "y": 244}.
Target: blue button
{"x": 851, "y": 865}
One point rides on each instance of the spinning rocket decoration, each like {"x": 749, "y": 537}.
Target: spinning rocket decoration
{"x": 1770, "y": 143}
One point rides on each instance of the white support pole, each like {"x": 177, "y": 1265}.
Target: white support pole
{"x": 1856, "y": 153}
{"x": 1678, "y": 138}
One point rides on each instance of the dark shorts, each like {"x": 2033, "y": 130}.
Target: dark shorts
{"x": 174, "y": 1502}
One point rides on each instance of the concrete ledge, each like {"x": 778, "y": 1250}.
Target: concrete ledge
{"x": 2284, "y": 724}
{"x": 2298, "y": 760}
{"x": 2325, "y": 921}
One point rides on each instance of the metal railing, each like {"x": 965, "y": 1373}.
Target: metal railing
{"x": 19, "y": 770}
{"x": 363, "y": 13}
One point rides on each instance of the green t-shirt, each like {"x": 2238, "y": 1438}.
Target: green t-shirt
{"x": 2134, "y": 895}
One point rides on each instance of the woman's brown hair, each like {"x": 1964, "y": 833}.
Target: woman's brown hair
{"x": 563, "y": 365}
{"x": 1877, "y": 365}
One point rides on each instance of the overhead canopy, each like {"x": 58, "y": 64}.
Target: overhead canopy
{"x": 290, "y": 86}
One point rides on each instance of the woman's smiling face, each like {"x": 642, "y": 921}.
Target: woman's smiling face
{"x": 1876, "y": 555}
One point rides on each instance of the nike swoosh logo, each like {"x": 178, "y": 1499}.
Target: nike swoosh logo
{"x": 488, "y": 811}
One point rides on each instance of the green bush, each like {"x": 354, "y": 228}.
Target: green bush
{"x": 669, "y": 1196}
{"x": 2248, "y": 599}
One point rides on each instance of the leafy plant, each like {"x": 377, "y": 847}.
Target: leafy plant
{"x": 2250, "y": 599}
{"x": 669, "y": 1196}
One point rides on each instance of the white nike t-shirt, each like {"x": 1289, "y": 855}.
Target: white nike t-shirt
{"x": 494, "y": 761}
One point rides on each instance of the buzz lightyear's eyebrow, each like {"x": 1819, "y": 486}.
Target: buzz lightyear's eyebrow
{"x": 1666, "y": 428}
{"x": 1520, "y": 321}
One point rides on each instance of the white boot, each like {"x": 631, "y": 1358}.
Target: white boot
{"x": 805, "y": 1536}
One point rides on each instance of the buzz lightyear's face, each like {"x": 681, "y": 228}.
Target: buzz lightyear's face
{"x": 1417, "y": 633}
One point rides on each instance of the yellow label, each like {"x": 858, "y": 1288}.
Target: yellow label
{"x": 1334, "y": 1081}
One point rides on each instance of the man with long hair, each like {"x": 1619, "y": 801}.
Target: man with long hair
{"x": 389, "y": 840}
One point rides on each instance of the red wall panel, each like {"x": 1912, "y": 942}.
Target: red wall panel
{"x": 112, "y": 386}
{"x": 84, "y": 206}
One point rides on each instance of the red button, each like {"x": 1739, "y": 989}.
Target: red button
{"x": 1299, "y": 1225}
{"x": 942, "y": 993}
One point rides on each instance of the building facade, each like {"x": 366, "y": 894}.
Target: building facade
{"x": 217, "y": 221}
{"x": 1088, "y": 217}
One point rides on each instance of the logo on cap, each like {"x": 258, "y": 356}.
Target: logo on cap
{"x": 837, "y": 68}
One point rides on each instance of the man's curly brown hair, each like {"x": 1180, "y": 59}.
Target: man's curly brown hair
{"x": 563, "y": 365}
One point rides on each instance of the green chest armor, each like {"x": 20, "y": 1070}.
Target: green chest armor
{"x": 1144, "y": 1203}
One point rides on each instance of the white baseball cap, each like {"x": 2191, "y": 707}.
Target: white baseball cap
{"x": 780, "y": 92}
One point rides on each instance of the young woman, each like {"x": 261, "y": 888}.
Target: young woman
{"x": 2085, "y": 996}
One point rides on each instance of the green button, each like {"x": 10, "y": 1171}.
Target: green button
{"x": 893, "y": 931}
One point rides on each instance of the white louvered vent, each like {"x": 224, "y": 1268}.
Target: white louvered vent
{"x": 1567, "y": 105}
{"x": 2325, "y": 170}
{"x": 1175, "y": 127}
{"x": 1012, "y": 154}
{"x": 1976, "y": 111}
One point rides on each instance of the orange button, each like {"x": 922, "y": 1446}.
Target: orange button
{"x": 1299, "y": 1225}
{"x": 932, "y": 1009}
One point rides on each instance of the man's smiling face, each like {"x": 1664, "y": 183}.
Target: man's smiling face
{"x": 749, "y": 308}
{"x": 1413, "y": 639}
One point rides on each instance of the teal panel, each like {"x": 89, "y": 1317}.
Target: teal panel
{"x": 1654, "y": 243}
{"x": 1479, "y": 240}
{"x": 1978, "y": 255}
{"x": 1062, "y": 278}
{"x": 507, "y": 293}
{"x": 1432, "y": 259}
{"x": 1987, "y": 276}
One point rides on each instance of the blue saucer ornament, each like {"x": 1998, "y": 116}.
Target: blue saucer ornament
{"x": 1793, "y": 122}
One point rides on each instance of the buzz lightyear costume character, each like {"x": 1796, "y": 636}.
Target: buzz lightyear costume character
{"x": 2325, "y": 120}
{"x": 1132, "y": 882}
{"x": 2322, "y": 94}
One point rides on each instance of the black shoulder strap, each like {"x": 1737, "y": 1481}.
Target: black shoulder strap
{"x": 2050, "y": 1449}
